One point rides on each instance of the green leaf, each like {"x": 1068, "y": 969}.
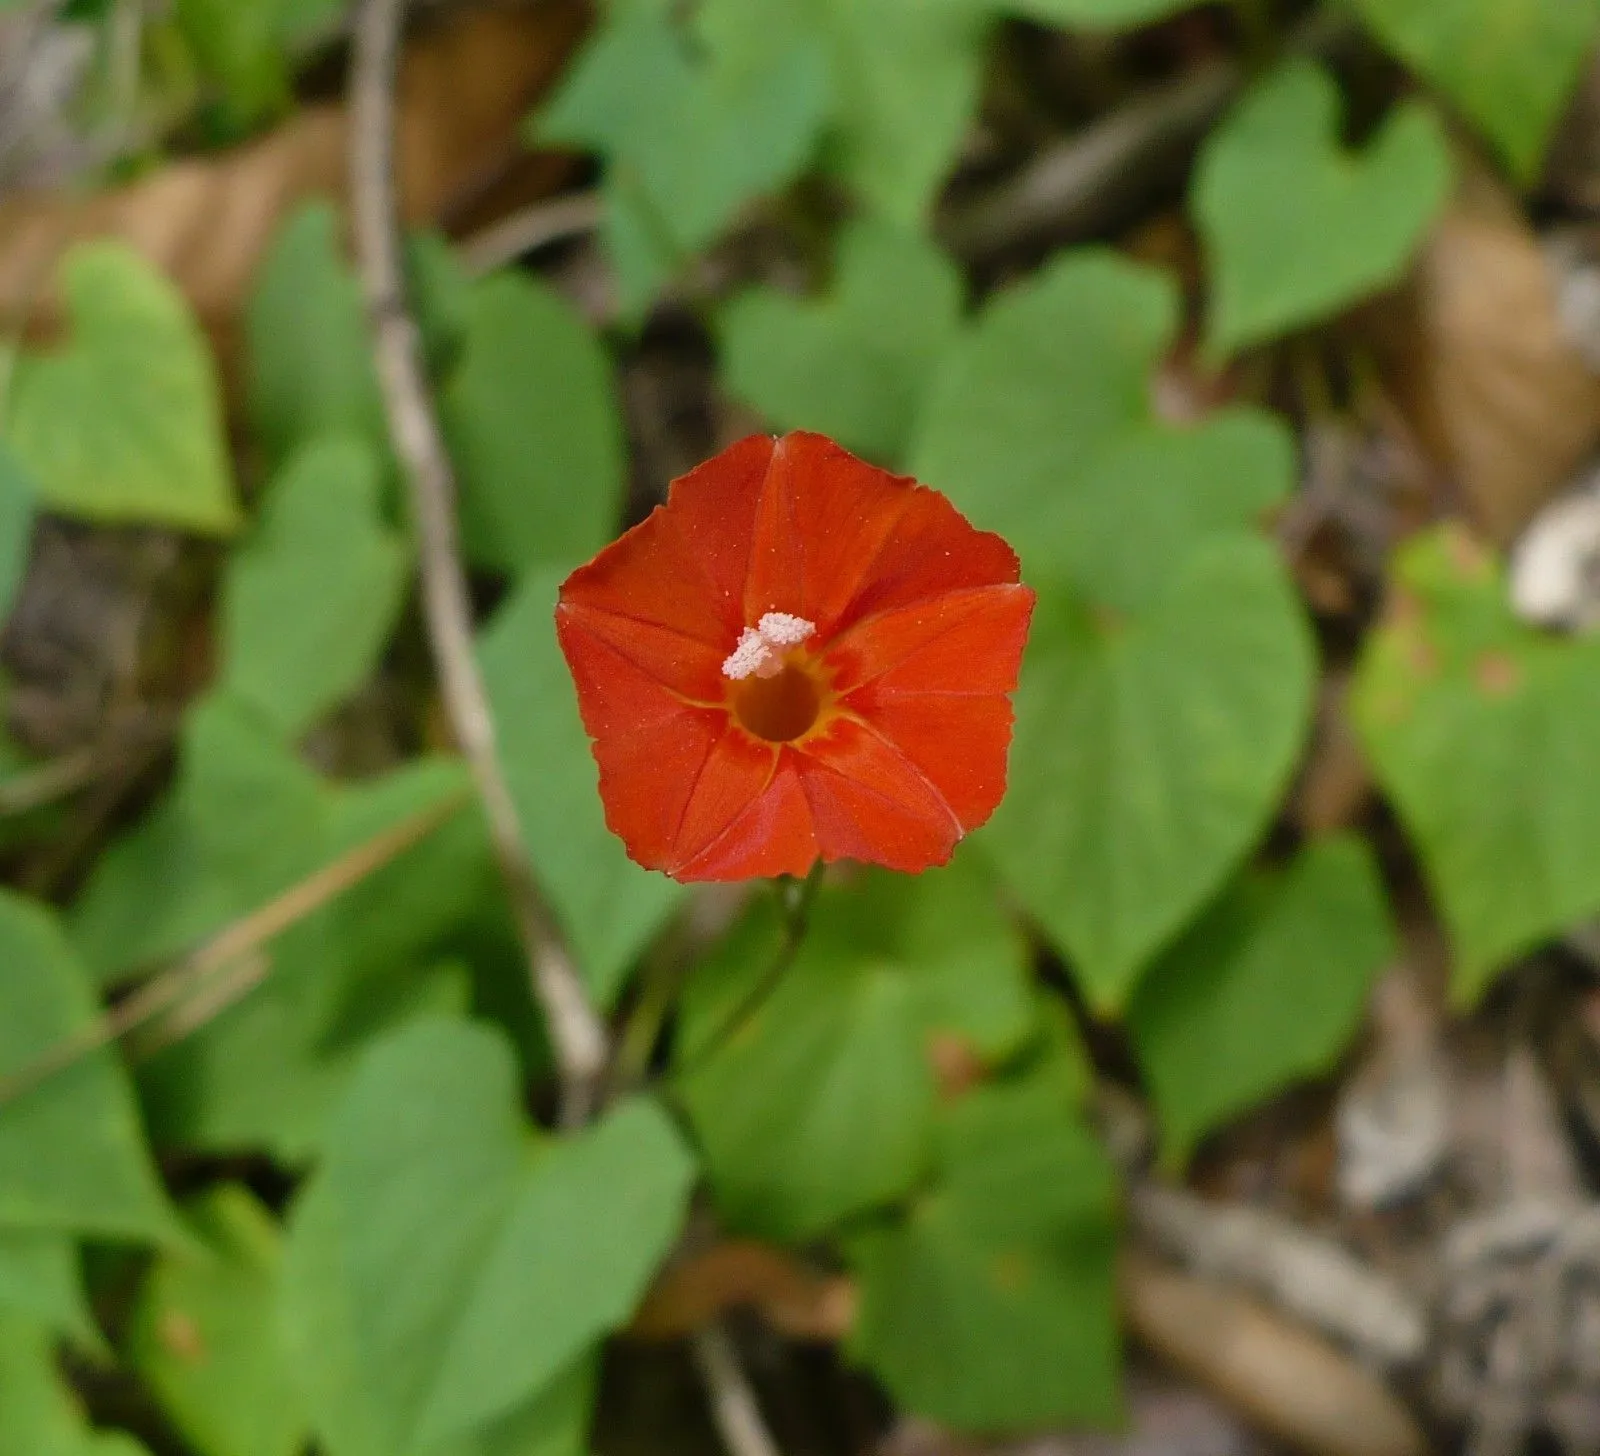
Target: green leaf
{"x": 905, "y": 79}
{"x": 608, "y": 905}
{"x": 442, "y": 299}
{"x": 1266, "y": 988}
{"x": 1017, "y": 428}
{"x": 1298, "y": 228}
{"x": 205, "y": 1334}
{"x": 39, "y": 1279}
{"x": 532, "y": 421}
{"x": 243, "y": 823}
{"x": 1149, "y": 756}
{"x": 444, "y": 1267}
{"x": 908, "y": 74}
{"x": 123, "y": 423}
{"x": 39, "y": 1414}
{"x": 308, "y": 357}
{"x": 264, "y": 1076}
{"x": 72, "y": 1153}
{"x": 817, "y": 1101}
{"x": 17, "y": 495}
{"x": 311, "y": 597}
{"x": 1099, "y": 12}
{"x": 991, "y": 1305}
{"x": 237, "y": 46}
{"x": 1479, "y": 729}
{"x": 1510, "y": 65}
{"x": 1167, "y": 685}
{"x": 266, "y": 1072}
{"x": 854, "y": 366}
{"x": 688, "y": 135}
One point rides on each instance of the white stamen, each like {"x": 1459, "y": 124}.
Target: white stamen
{"x": 759, "y": 647}
{"x": 783, "y": 630}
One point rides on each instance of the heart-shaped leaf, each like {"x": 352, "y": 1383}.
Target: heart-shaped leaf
{"x": 1510, "y": 65}
{"x": 854, "y": 366}
{"x": 1482, "y": 733}
{"x": 205, "y": 1333}
{"x": 39, "y": 1279}
{"x": 1267, "y": 987}
{"x": 72, "y": 1152}
{"x": 990, "y": 1305}
{"x": 310, "y": 599}
{"x": 817, "y": 1102}
{"x": 1167, "y": 686}
{"x": 308, "y": 357}
{"x": 531, "y": 415}
{"x": 39, "y": 1412}
{"x": 905, "y": 80}
{"x": 1148, "y": 756}
{"x": 1298, "y": 229}
{"x": 443, "y": 1271}
{"x": 123, "y": 423}
{"x": 689, "y": 134}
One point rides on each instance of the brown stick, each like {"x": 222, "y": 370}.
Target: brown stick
{"x": 577, "y": 1035}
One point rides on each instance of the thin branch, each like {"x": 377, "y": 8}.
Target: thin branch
{"x": 1085, "y": 182}
{"x": 236, "y": 943}
{"x": 550, "y": 220}
{"x": 230, "y": 985}
{"x": 578, "y": 1037}
{"x": 45, "y": 783}
{"x": 734, "y": 1407}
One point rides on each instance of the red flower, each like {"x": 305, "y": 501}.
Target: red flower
{"x": 798, "y": 655}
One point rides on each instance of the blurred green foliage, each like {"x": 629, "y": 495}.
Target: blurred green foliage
{"x": 910, "y": 1095}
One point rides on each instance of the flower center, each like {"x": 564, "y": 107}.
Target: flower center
{"x": 779, "y": 708}
{"x": 772, "y": 697}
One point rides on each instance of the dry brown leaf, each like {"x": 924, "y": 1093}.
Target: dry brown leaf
{"x": 1290, "y": 1382}
{"x": 465, "y": 86}
{"x": 794, "y": 1299}
{"x": 1502, "y": 393}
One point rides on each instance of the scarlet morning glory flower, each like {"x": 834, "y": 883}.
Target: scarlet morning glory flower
{"x": 798, "y": 656}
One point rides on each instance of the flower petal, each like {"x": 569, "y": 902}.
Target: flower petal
{"x": 822, "y": 518}
{"x": 932, "y": 550}
{"x": 870, "y": 802}
{"x": 956, "y": 741}
{"x": 684, "y": 566}
{"x": 773, "y": 835}
{"x": 967, "y": 641}
{"x": 650, "y": 746}
{"x": 682, "y": 664}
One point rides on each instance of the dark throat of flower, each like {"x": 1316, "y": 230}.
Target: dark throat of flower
{"x": 780, "y": 708}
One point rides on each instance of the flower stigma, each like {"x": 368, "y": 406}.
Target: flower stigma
{"x": 760, "y": 649}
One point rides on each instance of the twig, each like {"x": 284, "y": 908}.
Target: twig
{"x": 550, "y": 220}
{"x": 734, "y": 1407}
{"x": 231, "y": 984}
{"x": 237, "y": 942}
{"x": 577, "y": 1035}
{"x": 1310, "y": 1277}
{"x": 1082, "y": 184}
{"x": 43, "y": 784}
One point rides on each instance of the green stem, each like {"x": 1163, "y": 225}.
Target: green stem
{"x": 795, "y": 899}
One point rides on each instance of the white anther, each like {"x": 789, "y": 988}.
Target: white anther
{"x": 783, "y": 630}
{"x": 759, "y": 650}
